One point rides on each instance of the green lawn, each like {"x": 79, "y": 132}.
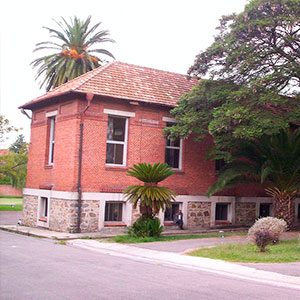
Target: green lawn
{"x": 125, "y": 239}
{"x": 15, "y": 203}
{"x": 284, "y": 252}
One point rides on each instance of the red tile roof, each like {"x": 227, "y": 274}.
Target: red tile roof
{"x": 126, "y": 81}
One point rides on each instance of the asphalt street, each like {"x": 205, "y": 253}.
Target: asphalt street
{"x": 33, "y": 268}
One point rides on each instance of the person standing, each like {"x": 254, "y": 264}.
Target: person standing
{"x": 179, "y": 219}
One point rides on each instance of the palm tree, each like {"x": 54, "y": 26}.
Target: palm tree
{"x": 73, "y": 44}
{"x": 152, "y": 197}
{"x": 274, "y": 161}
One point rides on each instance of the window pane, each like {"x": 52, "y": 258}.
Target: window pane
{"x": 172, "y": 158}
{"x": 114, "y": 154}
{"x": 110, "y": 153}
{"x": 116, "y": 129}
{"x": 221, "y": 212}
{"x": 173, "y": 143}
{"x": 171, "y": 212}
{"x": 264, "y": 210}
{"x": 113, "y": 211}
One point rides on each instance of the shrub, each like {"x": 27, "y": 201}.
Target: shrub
{"x": 273, "y": 225}
{"x": 263, "y": 238}
{"x": 146, "y": 226}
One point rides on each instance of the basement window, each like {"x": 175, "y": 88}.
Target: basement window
{"x": 116, "y": 145}
{"x": 222, "y": 211}
{"x": 113, "y": 212}
{"x": 171, "y": 212}
{"x": 44, "y": 206}
{"x": 264, "y": 210}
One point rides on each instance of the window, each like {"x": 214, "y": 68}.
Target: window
{"x": 51, "y": 140}
{"x": 171, "y": 212}
{"x": 173, "y": 151}
{"x": 264, "y": 210}
{"x": 222, "y": 212}
{"x": 44, "y": 207}
{"x": 113, "y": 211}
{"x": 116, "y": 141}
{"x": 220, "y": 163}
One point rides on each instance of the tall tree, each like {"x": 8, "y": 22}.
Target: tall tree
{"x": 254, "y": 70}
{"x": 74, "y": 45}
{"x": 260, "y": 46}
{"x": 13, "y": 165}
{"x": 18, "y": 144}
{"x": 5, "y": 128}
{"x": 273, "y": 161}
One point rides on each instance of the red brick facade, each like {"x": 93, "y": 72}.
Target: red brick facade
{"x": 102, "y": 183}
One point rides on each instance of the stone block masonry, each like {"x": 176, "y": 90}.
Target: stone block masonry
{"x": 245, "y": 213}
{"x": 198, "y": 214}
{"x": 30, "y": 207}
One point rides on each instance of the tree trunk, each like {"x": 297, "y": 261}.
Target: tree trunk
{"x": 284, "y": 208}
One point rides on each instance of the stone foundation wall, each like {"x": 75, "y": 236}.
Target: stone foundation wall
{"x": 30, "y": 206}
{"x": 90, "y": 216}
{"x": 245, "y": 213}
{"x": 63, "y": 215}
{"x": 198, "y": 214}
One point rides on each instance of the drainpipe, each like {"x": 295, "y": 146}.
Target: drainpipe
{"x": 89, "y": 98}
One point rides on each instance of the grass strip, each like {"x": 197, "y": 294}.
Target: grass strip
{"x": 5, "y": 196}
{"x": 284, "y": 252}
{"x": 16, "y": 207}
{"x": 126, "y": 239}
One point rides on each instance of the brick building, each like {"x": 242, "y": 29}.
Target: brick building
{"x": 86, "y": 133}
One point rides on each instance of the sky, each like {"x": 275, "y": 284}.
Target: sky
{"x": 161, "y": 34}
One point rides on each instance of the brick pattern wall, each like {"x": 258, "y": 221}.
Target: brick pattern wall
{"x": 30, "y": 206}
{"x": 9, "y": 190}
{"x": 145, "y": 144}
{"x": 199, "y": 214}
{"x": 245, "y": 213}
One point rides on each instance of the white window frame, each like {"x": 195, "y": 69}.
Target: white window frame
{"x": 51, "y": 140}
{"x": 41, "y": 211}
{"x": 229, "y": 213}
{"x": 124, "y": 143}
{"x": 171, "y": 120}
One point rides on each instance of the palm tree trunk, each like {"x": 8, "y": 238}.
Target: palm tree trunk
{"x": 284, "y": 208}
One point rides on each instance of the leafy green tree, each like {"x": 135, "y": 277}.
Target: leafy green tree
{"x": 18, "y": 144}
{"x": 259, "y": 46}
{"x": 229, "y": 113}
{"x": 273, "y": 161}
{"x": 151, "y": 197}
{"x": 5, "y": 127}
{"x": 74, "y": 45}
{"x": 13, "y": 167}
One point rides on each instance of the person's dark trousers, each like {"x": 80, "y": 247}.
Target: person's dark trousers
{"x": 180, "y": 224}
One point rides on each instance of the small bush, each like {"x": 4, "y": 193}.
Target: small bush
{"x": 273, "y": 225}
{"x": 263, "y": 238}
{"x": 146, "y": 226}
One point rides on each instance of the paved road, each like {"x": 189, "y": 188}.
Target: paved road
{"x": 10, "y": 217}
{"x": 34, "y": 269}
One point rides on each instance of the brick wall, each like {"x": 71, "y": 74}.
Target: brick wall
{"x": 9, "y": 190}
{"x": 145, "y": 144}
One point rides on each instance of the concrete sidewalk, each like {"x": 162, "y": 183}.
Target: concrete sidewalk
{"x": 196, "y": 263}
